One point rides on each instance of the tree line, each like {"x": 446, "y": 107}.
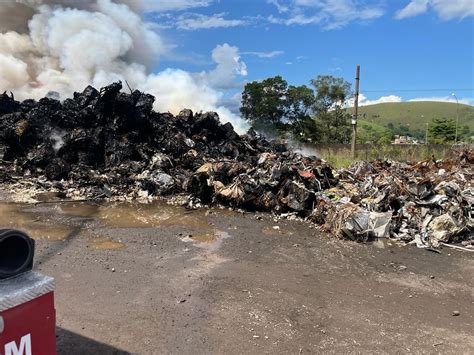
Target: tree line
{"x": 315, "y": 113}
{"x": 319, "y": 113}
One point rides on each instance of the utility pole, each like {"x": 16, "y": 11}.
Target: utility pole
{"x": 426, "y": 133}
{"x": 356, "y": 112}
{"x": 457, "y": 118}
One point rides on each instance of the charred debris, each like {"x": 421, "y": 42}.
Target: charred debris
{"x": 111, "y": 144}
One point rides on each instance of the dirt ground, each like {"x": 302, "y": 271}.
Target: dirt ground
{"x": 160, "y": 279}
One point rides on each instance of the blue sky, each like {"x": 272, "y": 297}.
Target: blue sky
{"x": 401, "y": 45}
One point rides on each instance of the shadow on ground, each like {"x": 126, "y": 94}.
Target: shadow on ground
{"x": 72, "y": 343}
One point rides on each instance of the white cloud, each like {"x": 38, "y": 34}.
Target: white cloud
{"x": 169, "y": 5}
{"x": 280, "y": 6}
{"x": 445, "y": 9}
{"x": 330, "y": 14}
{"x": 228, "y": 67}
{"x": 415, "y": 7}
{"x": 381, "y": 100}
{"x": 264, "y": 54}
{"x": 465, "y": 101}
{"x": 450, "y": 9}
{"x": 364, "y": 101}
{"x": 297, "y": 19}
{"x": 199, "y": 21}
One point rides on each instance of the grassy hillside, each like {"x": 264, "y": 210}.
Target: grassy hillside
{"x": 415, "y": 115}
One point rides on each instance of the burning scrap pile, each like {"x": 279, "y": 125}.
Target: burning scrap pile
{"x": 112, "y": 144}
{"x": 426, "y": 203}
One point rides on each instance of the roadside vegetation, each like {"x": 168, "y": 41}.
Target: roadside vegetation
{"x": 338, "y": 155}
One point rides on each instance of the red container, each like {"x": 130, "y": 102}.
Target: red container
{"x": 27, "y": 315}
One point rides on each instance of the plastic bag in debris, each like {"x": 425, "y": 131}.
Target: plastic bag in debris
{"x": 364, "y": 225}
{"x": 156, "y": 182}
{"x": 231, "y": 192}
{"x": 205, "y": 168}
{"x": 444, "y": 227}
{"x": 448, "y": 188}
{"x": 420, "y": 189}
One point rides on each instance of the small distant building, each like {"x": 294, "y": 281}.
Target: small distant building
{"x": 404, "y": 140}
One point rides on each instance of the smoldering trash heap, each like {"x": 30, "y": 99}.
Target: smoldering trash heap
{"x": 109, "y": 144}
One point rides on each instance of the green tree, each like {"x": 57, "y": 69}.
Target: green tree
{"x": 331, "y": 98}
{"x": 418, "y": 134}
{"x": 273, "y": 102}
{"x": 330, "y": 92}
{"x": 370, "y": 133}
{"x": 299, "y": 103}
{"x": 442, "y": 130}
{"x": 264, "y": 102}
{"x": 385, "y": 138}
{"x": 318, "y": 116}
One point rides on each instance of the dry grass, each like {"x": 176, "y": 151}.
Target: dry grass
{"x": 339, "y": 155}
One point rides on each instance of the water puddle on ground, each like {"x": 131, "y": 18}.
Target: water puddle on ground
{"x": 130, "y": 215}
{"x": 211, "y": 240}
{"x": 203, "y": 238}
{"x": 59, "y": 220}
{"x": 36, "y": 225}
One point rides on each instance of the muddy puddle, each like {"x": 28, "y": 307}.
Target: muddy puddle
{"x": 60, "y": 220}
{"x": 211, "y": 240}
{"x": 36, "y": 225}
{"x": 128, "y": 215}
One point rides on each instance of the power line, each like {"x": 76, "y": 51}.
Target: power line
{"x": 416, "y": 90}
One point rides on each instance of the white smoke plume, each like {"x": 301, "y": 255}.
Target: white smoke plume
{"x": 65, "y": 45}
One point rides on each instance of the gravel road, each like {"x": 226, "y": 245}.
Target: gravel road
{"x": 160, "y": 279}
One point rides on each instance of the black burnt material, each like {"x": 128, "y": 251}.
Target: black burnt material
{"x": 112, "y": 140}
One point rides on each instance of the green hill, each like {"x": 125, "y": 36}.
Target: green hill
{"x": 415, "y": 115}
{"x": 409, "y": 118}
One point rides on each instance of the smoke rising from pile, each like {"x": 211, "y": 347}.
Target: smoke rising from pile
{"x": 65, "y": 45}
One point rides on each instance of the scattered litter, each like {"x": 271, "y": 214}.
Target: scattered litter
{"x": 402, "y": 267}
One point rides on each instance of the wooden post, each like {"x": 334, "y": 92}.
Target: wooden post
{"x": 356, "y": 112}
